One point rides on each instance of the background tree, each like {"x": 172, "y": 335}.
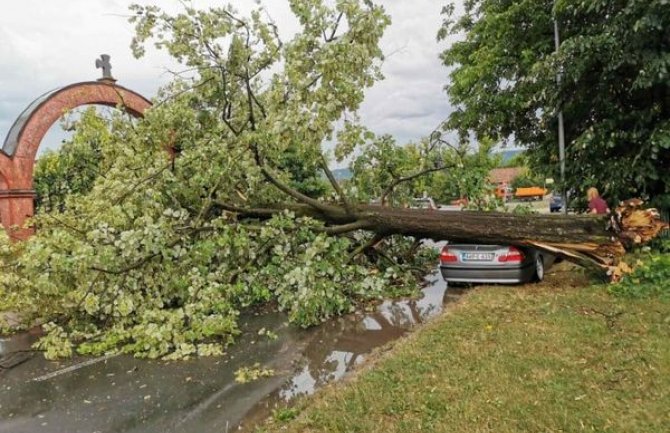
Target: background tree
{"x": 73, "y": 168}
{"x": 390, "y": 174}
{"x": 518, "y": 160}
{"x": 307, "y": 179}
{"x": 615, "y": 91}
{"x": 469, "y": 178}
{"x": 527, "y": 179}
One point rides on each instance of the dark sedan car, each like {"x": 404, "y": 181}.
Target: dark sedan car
{"x": 464, "y": 263}
{"x": 555, "y": 203}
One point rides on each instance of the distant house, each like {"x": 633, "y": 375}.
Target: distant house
{"x": 502, "y": 179}
{"x": 505, "y": 176}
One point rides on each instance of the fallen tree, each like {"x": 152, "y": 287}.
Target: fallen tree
{"x": 593, "y": 241}
{"x": 160, "y": 255}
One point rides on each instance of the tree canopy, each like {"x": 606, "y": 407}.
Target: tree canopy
{"x": 614, "y": 60}
{"x": 158, "y": 255}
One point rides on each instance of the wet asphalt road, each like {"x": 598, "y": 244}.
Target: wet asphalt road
{"x": 123, "y": 394}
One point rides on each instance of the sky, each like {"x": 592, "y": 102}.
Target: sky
{"x": 46, "y": 44}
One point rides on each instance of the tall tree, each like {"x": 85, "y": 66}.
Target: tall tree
{"x": 614, "y": 60}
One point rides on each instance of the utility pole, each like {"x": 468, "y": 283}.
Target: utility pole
{"x": 561, "y": 132}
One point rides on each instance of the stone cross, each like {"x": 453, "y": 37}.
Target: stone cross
{"x": 104, "y": 64}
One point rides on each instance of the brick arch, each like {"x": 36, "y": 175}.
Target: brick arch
{"x": 18, "y": 153}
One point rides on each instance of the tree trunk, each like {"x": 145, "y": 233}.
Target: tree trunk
{"x": 597, "y": 241}
{"x": 577, "y": 236}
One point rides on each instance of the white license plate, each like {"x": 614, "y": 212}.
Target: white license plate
{"x": 477, "y": 257}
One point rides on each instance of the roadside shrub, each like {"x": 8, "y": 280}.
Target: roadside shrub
{"x": 486, "y": 203}
{"x": 662, "y": 245}
{"x": 649, "y": 279}
{"x": 524, "y": 209}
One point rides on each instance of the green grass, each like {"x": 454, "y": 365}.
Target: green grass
{"x": 549, "y": 358}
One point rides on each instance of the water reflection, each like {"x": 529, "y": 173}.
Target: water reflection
{"x": 337, "y": 347}
{"x": 333, "y": 352}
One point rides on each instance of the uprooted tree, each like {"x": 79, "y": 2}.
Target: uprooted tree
{"x": 160, "y": 253}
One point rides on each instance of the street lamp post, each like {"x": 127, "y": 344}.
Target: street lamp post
{"x": 561, "y": 131}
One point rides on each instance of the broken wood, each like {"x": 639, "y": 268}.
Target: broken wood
{"x": 595, "y": 241}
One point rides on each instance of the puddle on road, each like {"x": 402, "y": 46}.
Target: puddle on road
{"x": 123, "y": 394}
{"x": 337, "y": 347}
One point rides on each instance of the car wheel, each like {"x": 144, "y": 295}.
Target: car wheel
{"x": 539, "y": 268}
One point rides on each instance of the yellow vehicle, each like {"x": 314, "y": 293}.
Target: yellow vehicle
{"x": 530, "y": 193}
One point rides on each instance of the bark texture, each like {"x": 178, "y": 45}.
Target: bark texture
{"x": 596, "y": 241}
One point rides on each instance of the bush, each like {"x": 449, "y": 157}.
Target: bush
{"x": 650, "y": 278}
{"x": 524, "y": 209}
{"x": 661, "y": 244}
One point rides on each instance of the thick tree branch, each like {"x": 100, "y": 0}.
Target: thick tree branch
{"x": 345, "y": 228}
{"x": 335, "y": 184}
{"x": 250, "y": 101}
{"x": 332, "y": 37}
{"x": 369, "y": 244}
{"x": 412, "y": 249}
{"x": 584, "y": 240}
{"x": 436, "y": 138}
{"x": 259, "y": 105}
{"x": 261, "y": 213}
{"x": 316, "y": 204}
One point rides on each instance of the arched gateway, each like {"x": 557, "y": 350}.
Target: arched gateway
{"x": 17, "y": 156}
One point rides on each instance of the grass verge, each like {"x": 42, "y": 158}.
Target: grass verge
{"x": 546, "y": 358}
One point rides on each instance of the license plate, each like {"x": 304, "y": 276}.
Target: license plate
{"x": 477, "y": 257}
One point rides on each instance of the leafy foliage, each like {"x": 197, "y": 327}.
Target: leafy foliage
{"x": 526, "y": 179}
{"x": 664, "y": 244}
{"x": 518, "y": 160}
{"x": 250, "y": 374}
{"x": 470, "y": 176}
{"x": 382, "y": 161}
{"x": 450, "y": 171}
{"x": 306, "y": 179}
{"x": 156, "y": 256}
{"x": 650, "y": 278}
{"x": 73, "y": 168}
{"x": 614, "y": 89}
{"x": 524, "y": 209}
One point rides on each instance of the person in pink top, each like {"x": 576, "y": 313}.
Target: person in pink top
{"x": 596, "y": 204}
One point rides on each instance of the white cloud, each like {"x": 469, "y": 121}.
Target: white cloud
{"x": 48, "y": 44}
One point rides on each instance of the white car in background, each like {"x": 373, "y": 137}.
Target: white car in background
{"x": 423, "y": 203}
